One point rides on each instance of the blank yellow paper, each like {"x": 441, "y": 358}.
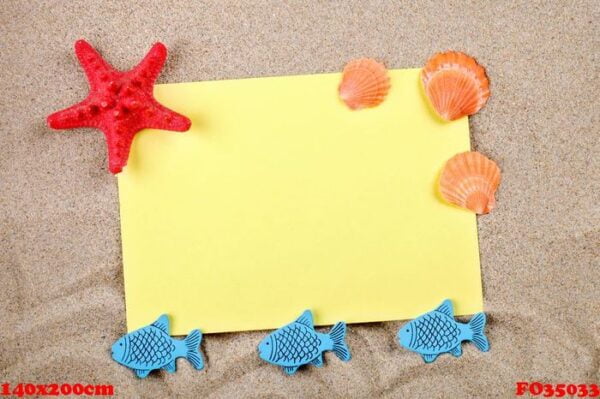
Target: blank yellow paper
{"x": 280, "y": 199}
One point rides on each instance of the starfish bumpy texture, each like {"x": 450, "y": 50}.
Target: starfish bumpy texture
{"x": 119, "y": 103}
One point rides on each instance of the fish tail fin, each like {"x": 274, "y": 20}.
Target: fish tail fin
{"x": 337, "y": 335}
{"x": 192, "y": 343}
{"x": 477, "y": 324}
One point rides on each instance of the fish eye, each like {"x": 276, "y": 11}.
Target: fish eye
{"x": 120, "y": 343}
{"x": 407, "y": 330}
{"x": 268, "y": 343}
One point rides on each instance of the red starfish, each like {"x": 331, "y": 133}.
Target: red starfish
{"x": 119, "y": 103}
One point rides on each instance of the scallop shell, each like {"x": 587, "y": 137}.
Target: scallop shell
{"x": 470, "y": 180}
{"x": 455, "y": 84}
{"x": 365, "y": 83}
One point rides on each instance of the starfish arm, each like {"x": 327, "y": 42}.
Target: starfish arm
{"x": 147, "y": 71}
{"x": 83, "y": 114}
{"x": 96, "y": 69}
{"x": 161, "y": 117}
{"x": 118, "y": 143}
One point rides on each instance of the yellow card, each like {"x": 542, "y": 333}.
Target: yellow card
{"x": 280, "y": 199}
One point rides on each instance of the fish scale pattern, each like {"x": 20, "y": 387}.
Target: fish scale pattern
{"x": 150, "y": 347}
{"x": 297, "y": 343}
{"x": 436, "y": 331}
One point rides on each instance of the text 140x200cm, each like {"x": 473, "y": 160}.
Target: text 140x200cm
{"x": 29, "y": 389}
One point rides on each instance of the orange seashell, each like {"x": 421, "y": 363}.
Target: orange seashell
{"x": 455, "y": 84}
{"x": 470, "y": 180}
{"x": 365, "y": 83}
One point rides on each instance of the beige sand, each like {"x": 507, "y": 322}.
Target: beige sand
{"x": 61, "y": 291}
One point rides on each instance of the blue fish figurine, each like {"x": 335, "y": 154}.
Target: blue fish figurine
{"x": 152, "y": 348}
{"x": 437, "y": 332}
{"x": 298, "y": 343}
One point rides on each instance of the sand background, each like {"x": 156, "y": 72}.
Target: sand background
{"x": 61, "y": 282}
